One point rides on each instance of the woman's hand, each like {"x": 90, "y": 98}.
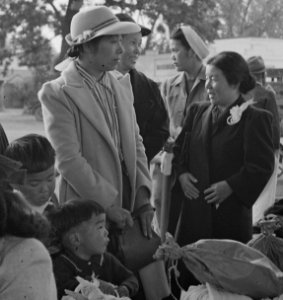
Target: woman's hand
{"x": 187, "y": 181}
{"x": 146, "y": 222}
{"x": 217, "y": 192}
{"x": 120, "y": 216}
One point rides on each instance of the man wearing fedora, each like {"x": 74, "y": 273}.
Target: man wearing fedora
{"x": 264, "y": 98}
{"x": 90, "y": 121}
{"x": 149, "y": 106}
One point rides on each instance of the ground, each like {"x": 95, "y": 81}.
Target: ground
{"x": 16, "y": 124}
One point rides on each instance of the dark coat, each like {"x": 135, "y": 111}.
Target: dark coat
{"x": 67, "y": 267}
{"x": 266, "y": 99}
{"x": 3, "y": 140}
{"x": 242, "y": 154}
{"x": 151, "y": 114}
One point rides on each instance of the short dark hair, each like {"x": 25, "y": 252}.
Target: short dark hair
{"x": 178, "y": 35}
{"x": 234, "y": 68}
{"x": 71, "y": 214}
{"x": 34, "y": 151}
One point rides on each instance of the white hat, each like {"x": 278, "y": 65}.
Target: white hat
{"x": 91, "y": 23}
{"x": 195, "y": 42}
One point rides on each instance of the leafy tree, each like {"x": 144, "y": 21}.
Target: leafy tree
{"x": 256, "y": 18}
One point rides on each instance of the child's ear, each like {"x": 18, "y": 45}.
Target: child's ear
{"x": 74, "y": 239}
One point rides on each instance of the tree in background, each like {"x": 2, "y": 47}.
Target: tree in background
{"x": 250, "y": 18}
{"x": 198, "y": 13}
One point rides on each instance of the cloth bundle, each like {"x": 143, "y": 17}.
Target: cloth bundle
{"x": 90, "y": 291}
{"x": 267, "y": 243}
{"x": 228, "y": 265}
{"x": 209, "y": 292}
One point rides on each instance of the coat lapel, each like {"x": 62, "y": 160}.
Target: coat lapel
{"x": 207, "y": 129}
{"x": 81, "y": 96}
{"x": 123, "y": 93}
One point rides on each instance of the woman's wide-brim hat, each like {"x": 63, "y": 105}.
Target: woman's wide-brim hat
{"x": 91, "y": 23}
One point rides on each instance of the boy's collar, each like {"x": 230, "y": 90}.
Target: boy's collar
{"x": 79, "y": 262}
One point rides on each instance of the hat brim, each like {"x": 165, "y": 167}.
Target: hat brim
{"x": 144, "y": 31}
{"x": 113, "y": 29}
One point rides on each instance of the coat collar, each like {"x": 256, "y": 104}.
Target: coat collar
{"x": 180, "y": 78}
{"x": 80, "y": 264}
{"x": 223, "y": 118}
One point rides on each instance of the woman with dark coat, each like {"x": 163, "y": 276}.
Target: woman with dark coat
{"x": 223, "y": 159}
{"x": 228, "y": 156}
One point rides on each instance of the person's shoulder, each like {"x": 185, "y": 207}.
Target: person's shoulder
{"x": 261, "y": 92}
{"x": 254, "y": 112}
{"x": 174, "y": 79}
{"x": 26, "y": 250}
{"x": 142, "y": 76}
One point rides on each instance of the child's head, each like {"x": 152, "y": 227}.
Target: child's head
{"x": 38, "y": 158}
{"x": 80, "y": 227}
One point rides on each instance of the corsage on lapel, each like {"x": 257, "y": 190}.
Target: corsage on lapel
{"x": 237, "y": 111}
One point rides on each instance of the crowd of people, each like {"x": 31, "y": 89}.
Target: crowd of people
{"x": 106, "y": 123}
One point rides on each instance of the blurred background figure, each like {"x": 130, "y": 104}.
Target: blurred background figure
{"x": 149, "y": 106}
{"x": 187, "y": 52}
{"x": 264, "y": 97}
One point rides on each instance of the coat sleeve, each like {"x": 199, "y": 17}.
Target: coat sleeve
{"x": 143, "y": 179}
{"x": 181, "y": 146}
{"x": 271, "y": 106}
{"x": 121, "y": 275}
{"x": 61, "y": 129}
{"x": 258, "y": 166}
{"x": 157, "y": 130}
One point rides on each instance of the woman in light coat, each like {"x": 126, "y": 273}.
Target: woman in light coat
{"x": 90, "y": 121}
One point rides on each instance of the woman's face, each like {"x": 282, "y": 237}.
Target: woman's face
{"x": 180, "y": 55}
{"x": 132, "y": 49}
{"x": 105, "y": 55}
{"x": 220, "y": 92}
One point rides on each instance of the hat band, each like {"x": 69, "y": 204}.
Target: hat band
{"x": 105, "y": 24}
{"x": 88, "y": 34}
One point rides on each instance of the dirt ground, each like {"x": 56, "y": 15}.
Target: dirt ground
{"x": 16, "y": 124}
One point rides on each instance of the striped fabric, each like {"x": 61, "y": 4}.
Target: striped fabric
{"x": 103, "y": 94}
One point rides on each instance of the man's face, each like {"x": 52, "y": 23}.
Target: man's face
{"x": 132, "y": 49}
